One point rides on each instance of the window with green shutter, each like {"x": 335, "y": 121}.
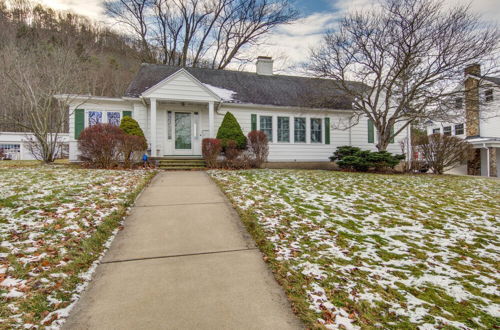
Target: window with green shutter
{"x": 371, "y": 131}
{"x": 254, "y": 122}
{"x": 79, "y": 122}
{"x": 327, "y": 130}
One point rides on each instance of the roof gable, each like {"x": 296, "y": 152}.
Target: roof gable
{"x": 180, "y": 85}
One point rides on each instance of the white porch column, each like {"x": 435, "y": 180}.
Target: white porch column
{"x": 153, "y": 127}
{"x": 211, "y": 120}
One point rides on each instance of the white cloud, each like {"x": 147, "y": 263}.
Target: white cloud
{"x": 93, "y": 9}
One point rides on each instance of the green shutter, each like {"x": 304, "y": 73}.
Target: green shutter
{"x": 327, "y": 130}
{"x": 79, "y": 122}
{"x": 127, "y": 113}
{"x": 254, "y": 122}
{"x": 392, "y": 134}
{"x": 371, "y": 132}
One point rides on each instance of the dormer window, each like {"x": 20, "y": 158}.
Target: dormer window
{"x": 458, "y": 103}
{"x": 488, "y": 95}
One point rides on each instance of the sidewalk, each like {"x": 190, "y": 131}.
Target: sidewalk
{"x": 183, "y": 261}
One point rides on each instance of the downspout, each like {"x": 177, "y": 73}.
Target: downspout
{"x": 218, "y": 107}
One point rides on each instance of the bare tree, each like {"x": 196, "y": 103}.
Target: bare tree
{"x": 409, "y": 54}
{"x": 32, "y": 83}
{"x": 208, "y": 33}
{"x": 442, "y": 152}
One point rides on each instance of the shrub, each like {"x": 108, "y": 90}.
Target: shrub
{"x": 344, "y": 151}
{"x": 353, "y": 158}
{"x": 211, "y": 149}
{"x": 130, "y": 126}
{"x": 259, "y": 147}
{"x": 383, "y": 160}
{"x": 100, "y": 145}
{"x": 131, "y": 148}
{"x": 443, "y": 152}
{"x": 231, "y": 152}
{"x": 230, "y": 129}
{"x": 133, "y": 141}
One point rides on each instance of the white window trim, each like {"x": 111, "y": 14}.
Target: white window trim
{"x": 104, "y": 115}
{"x": 322, "y": 123}
{"x": 289, "y": 130}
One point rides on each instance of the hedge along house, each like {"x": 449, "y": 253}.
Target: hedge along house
{"x": 305, "y": 118}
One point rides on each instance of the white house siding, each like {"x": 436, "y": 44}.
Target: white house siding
{"x": 180, "y": 87}
{"x": 489, "y": 125}
{"x": 20, "y": 139}
{"x": 92, "y": 105}
{"x": 340, "y": 134}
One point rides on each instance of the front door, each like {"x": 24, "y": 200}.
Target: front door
{"x": 183, "y": 122}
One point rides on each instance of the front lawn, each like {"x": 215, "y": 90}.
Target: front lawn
{"x": 55, "y": 222}
{"x": 377, "y": 251}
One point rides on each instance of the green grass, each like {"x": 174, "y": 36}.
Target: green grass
{"x": 389, "y": 251}
{"x": 54, "y": 223}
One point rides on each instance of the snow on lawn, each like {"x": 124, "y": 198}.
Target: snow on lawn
{"x": 55, "y": 223}
{"x": 364, "y": 250}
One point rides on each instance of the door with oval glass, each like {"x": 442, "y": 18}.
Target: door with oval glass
{"x": 183, "y": 130}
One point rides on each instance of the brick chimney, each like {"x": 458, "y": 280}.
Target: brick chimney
{"x": 471, "y": 85}
{"x": 265, "y": 65}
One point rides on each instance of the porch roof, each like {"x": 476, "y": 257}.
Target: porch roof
{"x": 251, "y": 88}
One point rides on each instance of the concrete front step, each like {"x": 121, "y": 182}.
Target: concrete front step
{"x": 182, "y": 168}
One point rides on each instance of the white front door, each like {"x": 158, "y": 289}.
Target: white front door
{"x": 183, "y": 133}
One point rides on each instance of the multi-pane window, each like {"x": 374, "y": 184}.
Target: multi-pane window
{"x": 458, "y": 103}
{"x": 266, "y": 126}
{"x": 299, "y": 130}
{"x": 316, "y": 130}
{"x": 283, "y": 129}
{"x": 459, "y": 129}
{"x": 488, "y": 95}
{"x": 114, "y": 118}
{"x": 436, "y": 131}
{"x": 95, "y": 117}
{"x": 447, "y": 130}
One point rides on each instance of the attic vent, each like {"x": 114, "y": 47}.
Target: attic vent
{"x": 265, "y": 65}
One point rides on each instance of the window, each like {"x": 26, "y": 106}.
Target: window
{"x": 283, "y": 129}
{"x": 114, "y": 118}
{"x": 436, "y": 131}
{"x": 447, "y": 130}
{"x": 95, "y": 117}
{"x": 458, "y": 103}
{"x": 10, "y": 148}
{"x": 459, "y": 129}
{"x": 316, "y": 130}
{"x": 488, "y": 95}
{"x": 266, "y": 126}
{"x": 299, "y": 130}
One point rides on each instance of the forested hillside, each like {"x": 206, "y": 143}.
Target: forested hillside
{"x": 48, "y": 50}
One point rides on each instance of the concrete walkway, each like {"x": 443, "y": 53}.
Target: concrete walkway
{"x": 183, "y": 261}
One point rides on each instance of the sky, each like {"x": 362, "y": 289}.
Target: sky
{"x": 290, "y": 44}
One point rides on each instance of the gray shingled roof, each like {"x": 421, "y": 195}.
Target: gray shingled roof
{"x": 252, "y": 88}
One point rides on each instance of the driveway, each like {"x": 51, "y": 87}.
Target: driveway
{"x": 183, "y": 261}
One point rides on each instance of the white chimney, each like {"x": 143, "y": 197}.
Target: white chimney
{"x": 265, "y": 65}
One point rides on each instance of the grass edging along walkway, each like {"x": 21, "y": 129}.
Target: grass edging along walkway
{"x": 294, "y": 287}
{"x": 369, "y": 251}
{"x": 65, "y": 268}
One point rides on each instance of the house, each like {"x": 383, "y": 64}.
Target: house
{"x": 479, "y": 124}
{"x": 305, "y": 118}
{"x": 15, "y": 145}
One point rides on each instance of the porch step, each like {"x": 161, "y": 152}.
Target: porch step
{"x": 181, "y": 163}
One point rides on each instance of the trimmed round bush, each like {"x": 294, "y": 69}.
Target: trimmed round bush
{"x": 230, "y": 129}
{"x": 131, "y": 127}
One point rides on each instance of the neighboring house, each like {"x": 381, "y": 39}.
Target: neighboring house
{"x": 480, "y": 125}
{"x": 15, "y": 145}
{"x": 304, "y": 118}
